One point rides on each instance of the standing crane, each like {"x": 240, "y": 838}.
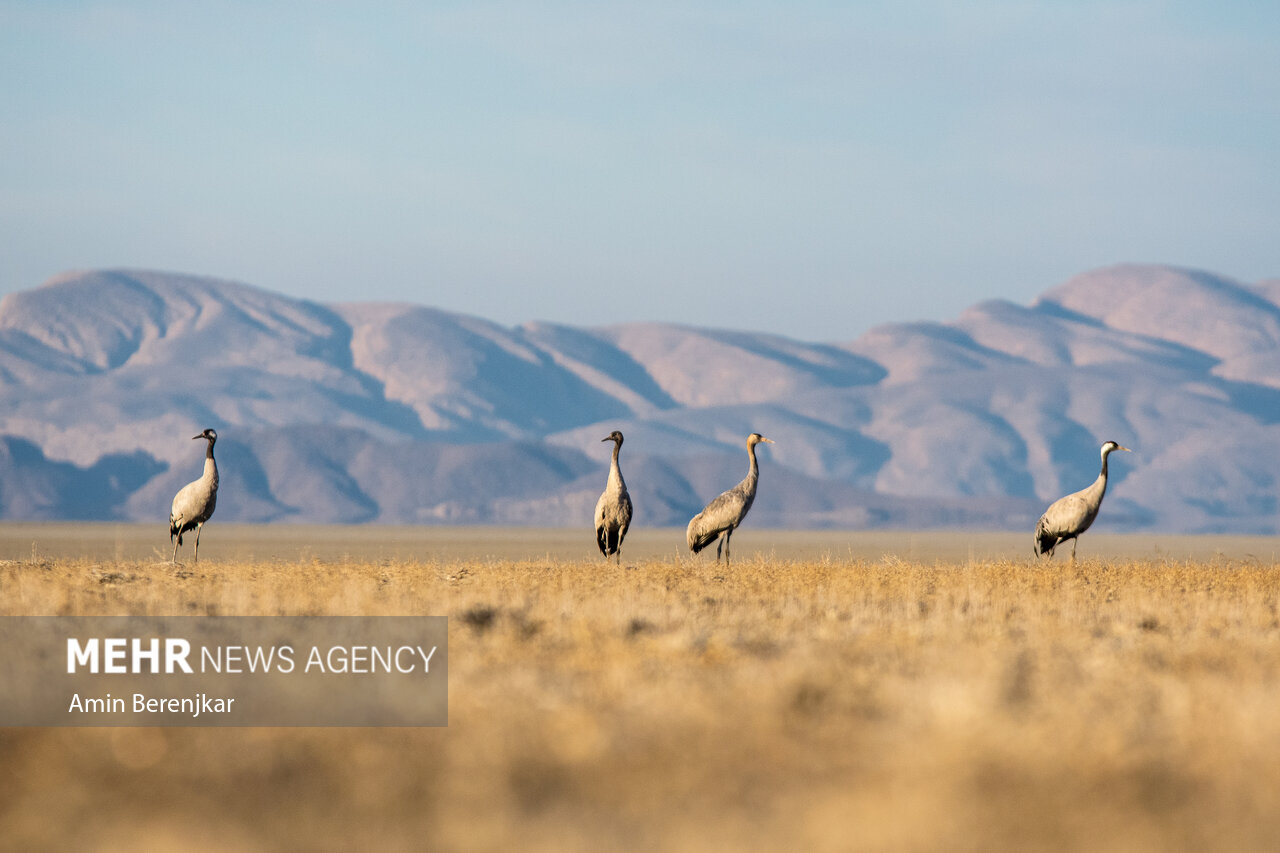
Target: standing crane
{"x": 1068, "y": 517}
{"x": 194, "y": 503}
{"x": 613, "y": 510}
{"x": 723, "y": 515}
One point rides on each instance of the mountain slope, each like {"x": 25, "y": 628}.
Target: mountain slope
{"x": 404, "y": 413}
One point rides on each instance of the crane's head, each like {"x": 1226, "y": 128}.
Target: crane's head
{"x": 209, "y": 434}
{"x": 1110, "y": 446}
{"x": 614, "y": 436}
{"x": 755, "y": 438}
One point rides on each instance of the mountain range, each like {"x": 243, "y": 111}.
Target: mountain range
{"x": 403, "y": 413}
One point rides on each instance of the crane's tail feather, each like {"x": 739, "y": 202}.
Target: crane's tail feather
{"x": 698, "y": 538}
{"x": 1045, "y": 541}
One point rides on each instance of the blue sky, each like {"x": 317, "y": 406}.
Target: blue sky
{"x": 807, "y": 168}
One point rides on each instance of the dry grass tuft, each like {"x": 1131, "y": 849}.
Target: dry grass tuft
{"x": 823, "y": 704}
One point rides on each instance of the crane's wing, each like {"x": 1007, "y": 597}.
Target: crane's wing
{"x": 721, "y": 514}
{"x": 1067, "y": 516}
{"x": 182, "y": 507}
{"x": 194, "y": 503}
{"x": 624, "y": 516}
{"x": 601, "y": 526}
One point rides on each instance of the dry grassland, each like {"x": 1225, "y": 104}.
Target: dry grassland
{"x": 944, "y": 696}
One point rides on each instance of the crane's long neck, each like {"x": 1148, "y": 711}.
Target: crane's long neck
{"x": 210, "y": 465}
{"x": 615, "y": 473}
{"x": 1100, "y": 484}
{"x": 753, "y": 473}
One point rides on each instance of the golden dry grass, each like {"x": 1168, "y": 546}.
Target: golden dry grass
{"x": 849, "y": 699}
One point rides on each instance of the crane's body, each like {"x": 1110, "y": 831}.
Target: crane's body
{"x": 723, "y": 515}
{"x": 1068, "y": 517}
{"x": 195, "y": 502}
{"x": 613, "y": 510}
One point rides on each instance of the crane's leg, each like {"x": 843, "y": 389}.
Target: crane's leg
{"x": 1073, "y": 549}
{"x": 719, "y": 547}
{"x": 177, "y": 540}
{"x": 195, "y": 554}
{"x": 727, "y": 534}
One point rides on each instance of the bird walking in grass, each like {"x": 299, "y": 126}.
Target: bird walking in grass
{"x": 195, "y": 502}
{"x": 613, "y": 510}
{"x": 1068, "y": 517}
{"x": 723, "y": 515}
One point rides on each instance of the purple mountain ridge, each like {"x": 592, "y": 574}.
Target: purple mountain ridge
{"x": 400, "y": 413}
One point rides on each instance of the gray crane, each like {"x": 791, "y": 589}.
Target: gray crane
{"x": 194, "y": 503}
{"x": 723, "y": 515}
{"x": 613, "y": 510}
{"x": 1066, "y": 518}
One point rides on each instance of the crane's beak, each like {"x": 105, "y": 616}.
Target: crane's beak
{"x": 194, "y": 437}
{"x": 770, "y": 440}
{"x": 607, "y": 438}
{"x": 1127, "y": 450}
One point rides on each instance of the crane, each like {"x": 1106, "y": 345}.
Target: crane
{"x": 1068, "y": 517}
{"x": 613, "y": 510}
{"x": 194, "y": 503}
{"x": 723, "y": 515}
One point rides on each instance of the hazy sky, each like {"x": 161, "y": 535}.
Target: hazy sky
{"x": 801, "y": 167}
